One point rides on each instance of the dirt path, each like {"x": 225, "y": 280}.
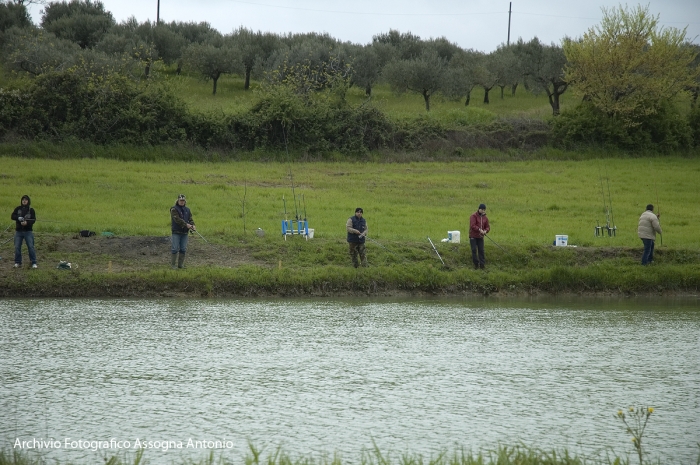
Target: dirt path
{"x": 129, "y": 253}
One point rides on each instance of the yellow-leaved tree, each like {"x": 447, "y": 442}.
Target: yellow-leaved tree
{"x": 628, "y": 66}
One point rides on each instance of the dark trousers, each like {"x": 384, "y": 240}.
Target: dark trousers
{"x": 648, "y": 255}
{"x": 478, "y": 256}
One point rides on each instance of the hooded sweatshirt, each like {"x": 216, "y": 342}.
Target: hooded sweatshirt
{"x": 27, "y": 213}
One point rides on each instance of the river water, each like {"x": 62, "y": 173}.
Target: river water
{"x": 318, "y": 377}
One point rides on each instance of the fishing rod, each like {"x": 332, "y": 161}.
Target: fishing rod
{"x": 291, "y": 175}
{"x": 304, "y": 199}
{"x": 199, "y": 235}
{"x": 380, "y": 245}
{"x": 438, "y": 253}
{"x": 658, "y": 206}
{"x": 496, "y": 243}
{"x": 612, "y": 216}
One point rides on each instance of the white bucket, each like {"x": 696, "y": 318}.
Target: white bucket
{"x": 311, "y": 233}
{"x": 561, "y": 240}
{"x": 453, "y": 236}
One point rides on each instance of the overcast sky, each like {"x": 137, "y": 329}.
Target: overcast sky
{"x": 481, "y": 25}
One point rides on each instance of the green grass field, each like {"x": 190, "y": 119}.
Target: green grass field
{"x": 231, "y": 98}
{"x": 529, "y": 202}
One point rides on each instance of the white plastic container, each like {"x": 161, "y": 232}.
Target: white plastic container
{"x": 561, "y": 240}
{"x": 311, "y": 233}
{"x": 453, "y": 236}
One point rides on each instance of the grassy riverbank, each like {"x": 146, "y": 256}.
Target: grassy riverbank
{"x": 529, "y": 202}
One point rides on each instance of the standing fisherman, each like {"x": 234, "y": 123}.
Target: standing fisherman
{"x": 478, "y": 228}
{"x": 647, "y": 229}
{"x": 357, "y": 230}
{"x": 25, "y": 217}
{"x": 182, "y": 224}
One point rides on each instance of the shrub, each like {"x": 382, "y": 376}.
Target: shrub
{"x": 585, "y": 125}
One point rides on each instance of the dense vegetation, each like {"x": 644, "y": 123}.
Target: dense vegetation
{"x": 81, "y": 76}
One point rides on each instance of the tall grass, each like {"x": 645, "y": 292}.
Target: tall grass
{"x": 502, "y": 455}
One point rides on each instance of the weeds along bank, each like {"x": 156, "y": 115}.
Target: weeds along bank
{"x": 107, "y": 110}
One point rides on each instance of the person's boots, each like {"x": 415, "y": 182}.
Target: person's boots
{"x": 173, "y": 260}
{"x": 181, "y": 260}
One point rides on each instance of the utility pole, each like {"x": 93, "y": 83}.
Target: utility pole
{"x": 510, "y": 10}
{"x": 158, "y": 19}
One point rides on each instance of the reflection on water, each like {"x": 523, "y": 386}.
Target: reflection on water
{"x": 323, "y": 376}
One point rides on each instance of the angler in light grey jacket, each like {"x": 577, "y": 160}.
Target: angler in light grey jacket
{"x": 647, "y": 229}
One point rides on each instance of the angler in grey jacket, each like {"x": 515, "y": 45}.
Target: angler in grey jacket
{"x": 647, "y": 229}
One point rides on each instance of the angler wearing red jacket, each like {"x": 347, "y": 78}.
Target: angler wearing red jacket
{"x": 478, "y": 228}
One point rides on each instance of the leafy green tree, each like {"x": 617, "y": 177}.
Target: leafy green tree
{"x": 445, "y": 49}
{"x": 82, "y": 21}
{"x": 694, "y": 66}
{"x": 34, "y": 51}
{"x": 488, "y": 73}
{"x": 424, "y": 75}
{"x": 505, "y": 67}
{"x": 193, "y": 32}
{"x": 211, "y": 60}
{"x": 543, "y": 67}
{"x": 366, "y": 67}
{"x": 167, "y": 43}
{"x": 13, "y": 15}
{"x": 311, "y": 64}
{"x": 405, "y": 46}
{"x": 329, "y": 74}
{"x": 463, "y": 74}
{"x": 628, "y": 66}
{"x": 253, "y": 47}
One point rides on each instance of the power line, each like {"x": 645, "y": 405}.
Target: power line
{"x": 482, "y": 13}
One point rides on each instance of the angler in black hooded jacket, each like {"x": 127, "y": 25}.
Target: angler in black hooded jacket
{"x": 24, "y": 216}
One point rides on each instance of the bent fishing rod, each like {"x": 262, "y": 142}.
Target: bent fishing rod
{"x": 496, "y": 243}
{"x": 438, "y": 253}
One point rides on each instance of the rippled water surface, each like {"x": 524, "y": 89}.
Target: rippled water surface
{"x": 320, "y": 377}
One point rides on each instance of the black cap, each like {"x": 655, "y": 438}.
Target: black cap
{"x": 358, "y": 209}
{"x": 650, "y": 207}
{"x": 482, "y": 206}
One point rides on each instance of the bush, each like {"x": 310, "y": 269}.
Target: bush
{"x": 666, "y": 130}
{"x": 104, "y": 110}
{"x": 316, "y": 125}
{"x": 694, "y": 125}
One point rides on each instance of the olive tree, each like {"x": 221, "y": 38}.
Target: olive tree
{"x": 252, "y": 48}
{"x": 463, "y": 74}
{"x": 211, "y": 60}
{"x": 82, "y": 21}
{"x": 34, "y": 51}
{"x": 13, "y": 15}
{"x": 424, "y": 75}
{"x": 366, "y": 67}
{"x": 543, "y": 67}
